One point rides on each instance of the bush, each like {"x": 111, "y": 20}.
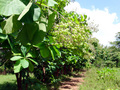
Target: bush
{"x": 106, "y": 74}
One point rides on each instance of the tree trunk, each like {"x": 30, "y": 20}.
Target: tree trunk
{"x": 43, "y": 74}
{"x": 19, "y": 80}
{"x": 26, "y": 86}
{"x": 4, "y": 72}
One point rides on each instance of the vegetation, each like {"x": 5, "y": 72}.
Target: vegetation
{"x": 39, "y": 37}
{"x": 101, "y": 79}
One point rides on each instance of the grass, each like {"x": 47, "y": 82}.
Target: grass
{"x": 93, "y": 82}
{"x": 7, "y": 78}
{"x": 8, "y": 82}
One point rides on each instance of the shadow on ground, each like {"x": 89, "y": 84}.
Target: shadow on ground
{"x": 8, "y": 86}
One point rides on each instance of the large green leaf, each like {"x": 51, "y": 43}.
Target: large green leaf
{"x": 25, "y": 2}
{"x": 30, "y": 13}
{"x": 31, "y": 34}
{"x": 51, "y": 2}
{"x": 15, "y": 58}
{"x": 24, "y": 63}
{"x": 9, "y": 7}
{"x": 11, "y": 25}
{"x": 17, "y": 67}
{"x": 25, "y": 10}
{"x": 51, "y": 20}
{"x": 44, "y": 51}
{"x": 27, "y": 33}
{"x": 42, "y": 24}
{"x": 22, "y": 37}
{"x": 38, "y": 37}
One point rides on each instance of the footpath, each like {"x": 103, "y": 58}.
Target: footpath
{"x": 73, "y": 83}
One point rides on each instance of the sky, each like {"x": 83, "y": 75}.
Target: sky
{"x": 105, "y": 13}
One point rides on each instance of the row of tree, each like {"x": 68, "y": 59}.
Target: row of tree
{"x": 39, "y": 36}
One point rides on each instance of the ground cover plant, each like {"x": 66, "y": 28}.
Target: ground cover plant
{"x": 101, "y": 79}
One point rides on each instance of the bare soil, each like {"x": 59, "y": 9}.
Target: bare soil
{"x": 73, "y": 83}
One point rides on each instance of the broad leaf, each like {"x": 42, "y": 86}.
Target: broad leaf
{"x": 30, "y": 13}
{"x": 44, "y": 50}
{"x": 25, "y": 2}
{"x": 27, "y": 33}
{"x": 15, "y": 58}
{"x": 42, "y": 24}
{"x": 51, "y": 21}
{"x": 17, "y": 67}
{"x": 31, "y": 66}
{"x": 25, "y": 10}
{"x": 31, "y": 34}
{"x": 11, "y": 25}
{"x": 24, "y": 63}
{"x": 22, "y": 37}
{"x": 51, "y": 2}
{"x": 9, "y": 7}
{"x": 38, "y": 37}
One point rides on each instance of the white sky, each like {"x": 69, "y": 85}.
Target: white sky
{"x": 106, "y": 21}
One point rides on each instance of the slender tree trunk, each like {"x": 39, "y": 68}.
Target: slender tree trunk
{"x": 26, "y": 86}
{"x": 4, "y": 72}
{"x": 43, "y": 74}
{"x": 64, "y": 69}
{"x": 19, "y": 80}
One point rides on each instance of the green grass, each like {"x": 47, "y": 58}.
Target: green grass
{"x": 8, "y": 82}
{"x": 7, "y": 78}
{"x": 93, "y": 82}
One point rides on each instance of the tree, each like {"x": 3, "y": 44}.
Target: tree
{"x": 118, "y": 40}
{"x": 115, "y": 50}
{"x": 24, "y": 28}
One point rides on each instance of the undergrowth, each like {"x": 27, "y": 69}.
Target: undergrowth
{"x": 102, "y": 79}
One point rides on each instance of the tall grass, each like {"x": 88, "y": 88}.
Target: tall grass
{"x": 107, "y": 79}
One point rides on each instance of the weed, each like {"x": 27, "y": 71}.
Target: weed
{"x": 102, "y": 79}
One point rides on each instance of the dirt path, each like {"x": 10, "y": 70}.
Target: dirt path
{"x": 73, "y": 83}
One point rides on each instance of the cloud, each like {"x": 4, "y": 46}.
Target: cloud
{"x": 106, "y": 21}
